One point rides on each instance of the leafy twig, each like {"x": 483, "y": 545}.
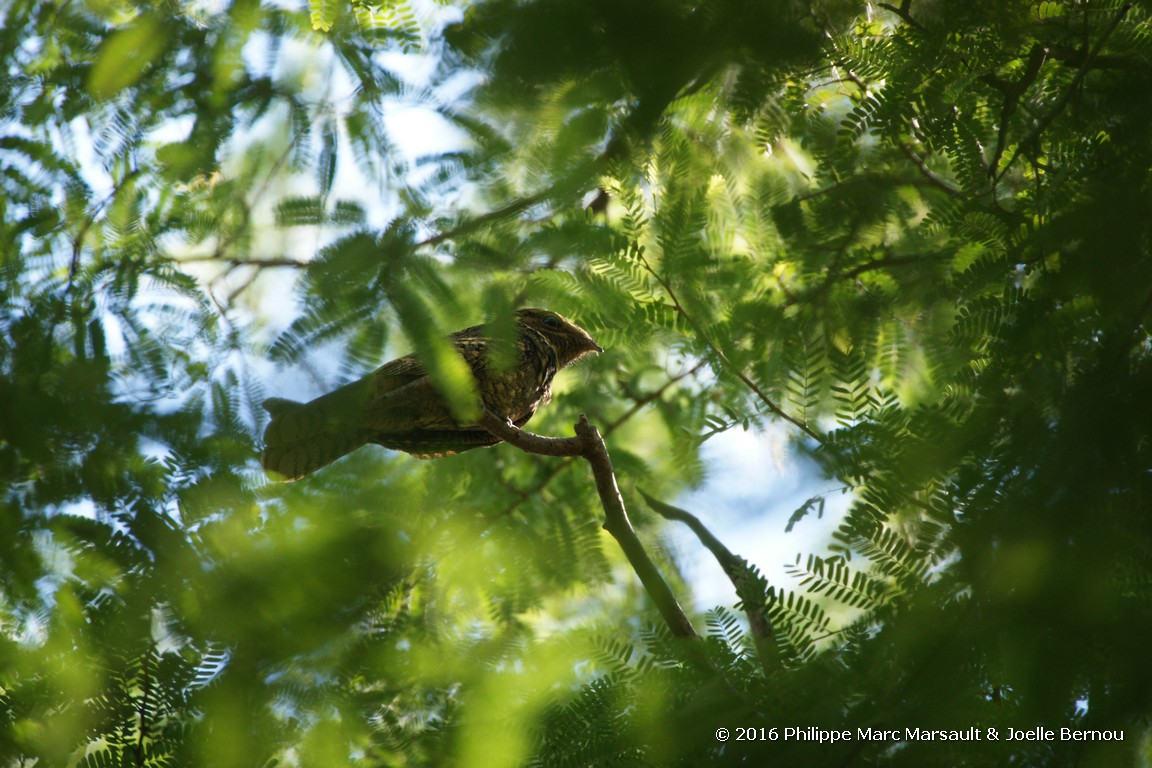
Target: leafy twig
{"x": 89, "y": 222}
{"x": 1012, "y": 92}
{"x": 747, "y": 381}
{"x": 933, "y": 178}
{"x": 1065, "y": 97}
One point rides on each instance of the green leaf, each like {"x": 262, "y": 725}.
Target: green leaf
{"x": 123, "y": 57}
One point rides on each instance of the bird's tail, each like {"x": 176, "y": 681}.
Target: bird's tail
{"x": 301, "y": 438}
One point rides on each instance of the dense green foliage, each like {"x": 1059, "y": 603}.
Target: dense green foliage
{"x": 918, "y": 237}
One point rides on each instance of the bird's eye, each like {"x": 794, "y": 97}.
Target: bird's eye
{"x": 551, "y": 321}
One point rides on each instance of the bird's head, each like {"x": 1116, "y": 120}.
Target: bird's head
{"x": 570, "y": 341}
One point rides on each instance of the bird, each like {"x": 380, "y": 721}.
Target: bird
{"x": 398, "y": 405}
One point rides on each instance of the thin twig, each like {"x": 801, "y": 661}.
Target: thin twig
{"x": 768, "y": 402}
{"x": 652, "y": 396}
{"x": 1012, "y": 92}
{"x": 903, "y": 13}
{"x": 511, "y": 209}
{"x": 89, "y": 222}
{"x": 933, "y": 178}
{"x": 236, "y": 261}
{"x": 861, "y": 269}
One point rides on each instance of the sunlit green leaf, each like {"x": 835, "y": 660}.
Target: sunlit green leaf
{"x": 123, "y": 57}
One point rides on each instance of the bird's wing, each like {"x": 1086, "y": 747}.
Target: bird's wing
{"x": 413, "y": 406}
{"x": 404, "y": 399}
{"x": 396, "y": 373}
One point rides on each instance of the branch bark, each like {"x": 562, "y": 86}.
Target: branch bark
{"x": 589, "y": 445}
{"x": 638, "y": 405}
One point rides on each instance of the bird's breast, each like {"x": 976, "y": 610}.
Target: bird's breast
{"x": 515, "y": 393}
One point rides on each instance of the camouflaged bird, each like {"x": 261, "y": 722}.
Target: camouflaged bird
{"x": 397, "y": 406}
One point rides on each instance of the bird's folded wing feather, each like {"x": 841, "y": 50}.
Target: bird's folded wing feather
{"x": 416, "y": 405}
{"x": 405, "y": 399}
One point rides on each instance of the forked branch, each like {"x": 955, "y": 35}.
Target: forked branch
{"x": 589, "y": 445}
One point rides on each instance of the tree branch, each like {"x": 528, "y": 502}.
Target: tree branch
{"x": 529, "y": 442}
{"x": 638, "y": 404}
{"x": 737, "y": 570}
{"x": 236, "y": 261}
{"x": 589, "y": 445}
{"x": 1065, "y": 97}
{"x": 903, "y": 13}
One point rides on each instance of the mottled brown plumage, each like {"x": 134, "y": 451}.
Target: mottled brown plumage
{"x": 397, "y": 406}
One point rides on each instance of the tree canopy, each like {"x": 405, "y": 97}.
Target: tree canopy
{"x": 917, "y": 237}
